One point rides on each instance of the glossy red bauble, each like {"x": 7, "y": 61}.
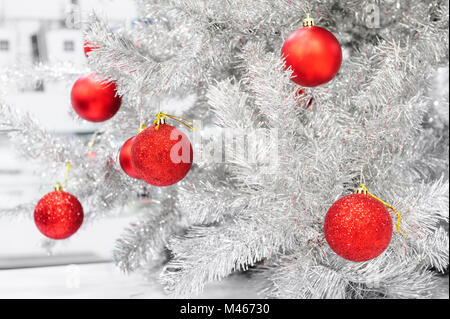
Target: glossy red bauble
{"x": 125, "y": 158}
{"x": 88, "y": 48}
{"x": 314, "y": 54}
{"x": 161, "y": 157}
{"x": 95, "y": 100}
{"x": 358, "y": 227}
{"x": 58, "y": 215}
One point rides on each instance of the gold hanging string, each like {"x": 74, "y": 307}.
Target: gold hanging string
{"x": 362, "y": 189}
{"x": 159, "y": 103}
{"x": 141, "y": 128}
{"x": 160, "y": 89}
{"x": 58, "y": 186}
{"x": 91, "y": 142}
{"x": 68, "y": 167}
{"x": 142, "y": 125}
{"x": 161, "y": 118}
{"x": 362, "y": 180}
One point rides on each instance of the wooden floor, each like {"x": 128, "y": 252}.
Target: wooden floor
{"x": 102, "y": 280}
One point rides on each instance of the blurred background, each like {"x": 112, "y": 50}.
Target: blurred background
{"x": 49, "y": 31}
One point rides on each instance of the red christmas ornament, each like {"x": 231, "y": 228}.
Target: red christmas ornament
{"x": 358, "y": 227}
{"x": 313, "y": 53}
{"x": 125, "y": 158}
{"x": 163, "y": 156}
{"x": 88, "y": 48}
{"x": 58, "y": 215}
{"x": 95, "y": 100}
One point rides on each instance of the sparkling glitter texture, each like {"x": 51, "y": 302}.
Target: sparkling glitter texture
{"x": 58, "y": 215}
{"x": 314, "y": 54}
{"x": 358, "y": 227}
{"x": 95, "y": 100}
{"x": 125, "y": 158}
{"x": 159, "y": 156}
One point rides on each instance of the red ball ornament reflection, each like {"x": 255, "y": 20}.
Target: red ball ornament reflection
{"x": 88, "y": 48}
{"x": 358, "y": 227}
{"x": 161, "y": 157}
{"x": 95, "y": 100}
{"x": 91, "y": 155}
{"x": 58, "y": 215}
{"x": 125, "y": 158}
{"x": 314, "y": 54}
{"x": 301, "y": 94}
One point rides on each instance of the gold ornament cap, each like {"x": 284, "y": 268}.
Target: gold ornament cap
{"x": 308, "y": 21}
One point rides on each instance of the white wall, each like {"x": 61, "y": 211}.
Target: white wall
{"x": 55, "y": 46}
{"x": 19, "y": 19}
{"x": 25, "y": 9}
{"x": 8, "y": 57}
{"x": 55, "y": 9}
{"x": 115, "y": 10}
{"x": 19, "y": 32}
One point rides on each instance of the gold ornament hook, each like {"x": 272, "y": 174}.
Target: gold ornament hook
{"x": 161, "y": 118}
{"x": 91, "y": 142}
{"x": 58, "y": 186}
{"x": 362, "y": 189}
{"x": 141, "y": 128}
{"x": 308, "y": 21}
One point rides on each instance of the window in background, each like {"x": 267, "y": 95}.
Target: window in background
{"x": 69, "y": 46}
{"x": 4, "y": 45}
{"x": 36, "y": 54}
{"x": 37, "y": 37}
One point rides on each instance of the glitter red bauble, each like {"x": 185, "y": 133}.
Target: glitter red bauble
{"x": 88, "y": 48}
{"x": 95, "y": 100}
{"x": 58, "y": 215}
{"x": 125, "y": 158}
{"x": 358, "y": 227}
{"x": 161, "y": 157}
{"x": 314, "y": 54}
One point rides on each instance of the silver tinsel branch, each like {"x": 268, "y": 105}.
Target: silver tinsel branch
{"x": 369, "y": 121}
{"x": 262, "y": 210}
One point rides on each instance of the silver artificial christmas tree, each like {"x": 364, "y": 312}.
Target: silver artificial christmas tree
{"x": 259, "y": 205}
